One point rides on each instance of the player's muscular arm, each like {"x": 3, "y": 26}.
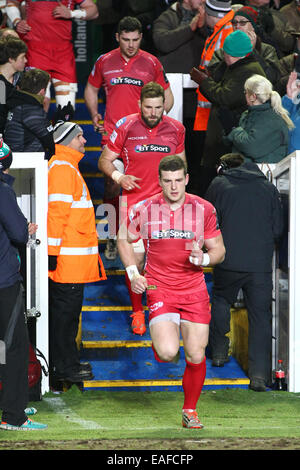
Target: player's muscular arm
{"x": 169, "y": 100}
{"x": 91, "y": 9}
{"x": 126, "y": 253}
{"x": 14, "y": 14}
{"x": 215, "y": 252}
{"x": 105, "y": 164}
{"x": 91, "y": 101}
{"x": 183, "y": 156}
{"x": 215, "y": 249}
{"x": 87, "y": 11}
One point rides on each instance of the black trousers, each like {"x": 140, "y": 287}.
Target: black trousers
{"x": 257, "y": 290}
{"x": 65, "y": 304}
{"x": 14, "y": 373}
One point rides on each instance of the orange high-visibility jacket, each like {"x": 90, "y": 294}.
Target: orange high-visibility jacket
{"x": 72, "y": 235}
{"x": 221, "y": 30}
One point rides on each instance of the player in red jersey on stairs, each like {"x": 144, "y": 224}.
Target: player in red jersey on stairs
{"x": 141, "y": 140}
{"x": 122, "y": 73}
{"x": 181, "y": 235}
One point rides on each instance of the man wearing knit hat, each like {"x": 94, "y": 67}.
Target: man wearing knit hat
{"x": 14, "y": 342}
{"x": 246, "y": 19}
{"x": 225, "y": 89}
{"x": 218, "y": 16}
{"x": 73, "y": 252}
{"x": 275, "y": 30}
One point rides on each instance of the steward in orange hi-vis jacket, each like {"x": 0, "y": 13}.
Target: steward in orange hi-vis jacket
{"x": 72, "y": 235}
{"x": 214, "y": 42}
{"x": 73, "y": 252}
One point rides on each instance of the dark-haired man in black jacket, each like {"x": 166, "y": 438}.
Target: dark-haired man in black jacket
{"x": 250, "y": 217}
{"x": 28, "y": 128}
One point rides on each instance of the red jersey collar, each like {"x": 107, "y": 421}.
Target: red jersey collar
{"x": 152, "y": 130}
{"x": 132, "y": 59}
{"x": 162, "y": 201}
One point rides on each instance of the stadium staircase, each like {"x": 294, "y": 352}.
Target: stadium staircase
{"x": 121, "y": 360}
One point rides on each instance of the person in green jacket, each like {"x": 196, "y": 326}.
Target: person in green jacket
{"x": 262, "y": 135}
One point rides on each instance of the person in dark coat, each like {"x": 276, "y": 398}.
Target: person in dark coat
{"x": 225, "y": 89}
{"x": 14, "y": 342}
{"x": 12, "y": 63}
{"x": 250, "y": 217}
{"x": 27, "y": 127}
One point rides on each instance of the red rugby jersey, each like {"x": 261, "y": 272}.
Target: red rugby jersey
{"x": 44, "y": 27}
{"x": 142, "y": 148}
{"x": 123, "y": 81}
{"x": 168, "y": 237}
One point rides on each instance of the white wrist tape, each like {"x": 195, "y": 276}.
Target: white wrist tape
{"x": 116, "y": 176}
{"x": 78, "y": 14}
{"x": 205, "y": 259}
{"x": 194, "y": 260}
{"x": 132, "y": 271}
{"x": 13, "y": 14}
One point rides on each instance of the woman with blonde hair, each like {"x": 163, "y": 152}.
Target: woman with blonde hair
{"x": 262, "y": 135}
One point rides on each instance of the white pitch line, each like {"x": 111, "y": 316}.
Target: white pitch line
{"x": 59, "y": 406}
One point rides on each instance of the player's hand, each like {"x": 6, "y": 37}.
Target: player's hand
{"x": 61, "y": 11}
{"x": 97, "y": 121}
{"x": 196, "y": 254}
{"x": 139, "y": 284}
{"x": 129, "y": 182}
{"x": 23, "y": 27}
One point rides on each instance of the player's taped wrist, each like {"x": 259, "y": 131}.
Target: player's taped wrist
{"x": 205, "y": 259}
{"x": 132, "y": 272}
{"x": 78, "y": 14}
{"x": 195, "y": 260}
{"x": 13, "y": 14}
{"x": 116, "y": 176}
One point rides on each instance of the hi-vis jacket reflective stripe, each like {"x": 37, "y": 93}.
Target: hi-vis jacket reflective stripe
{"x": 221, "y": 30}
{"x": 72, "y": 235}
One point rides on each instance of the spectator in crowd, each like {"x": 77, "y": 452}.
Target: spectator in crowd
{"x": 176, "y": 292}
{"x": 162, "y": 5}
{"x": 73, "y": 252}
{"x": 250, "y": 218}
{"x": 28, "y": 128}
{"x": 47, "y": 31}
{"x": 225, "y": 89}
{"x": 246, "y": 19}
{"x": 291, "y": 14}
{"x": 262, "y": 135}
{"x": 275, "y": 30}
{"x": 291, "y": 102}
{"x": 218, "y": 17}
{"x": 179, "y": 37}
{"x": 14, "y": 344}
{"x": 12, "y": 62}
{"x": 141, "y": 140}
{"x": 122, "y": 73}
